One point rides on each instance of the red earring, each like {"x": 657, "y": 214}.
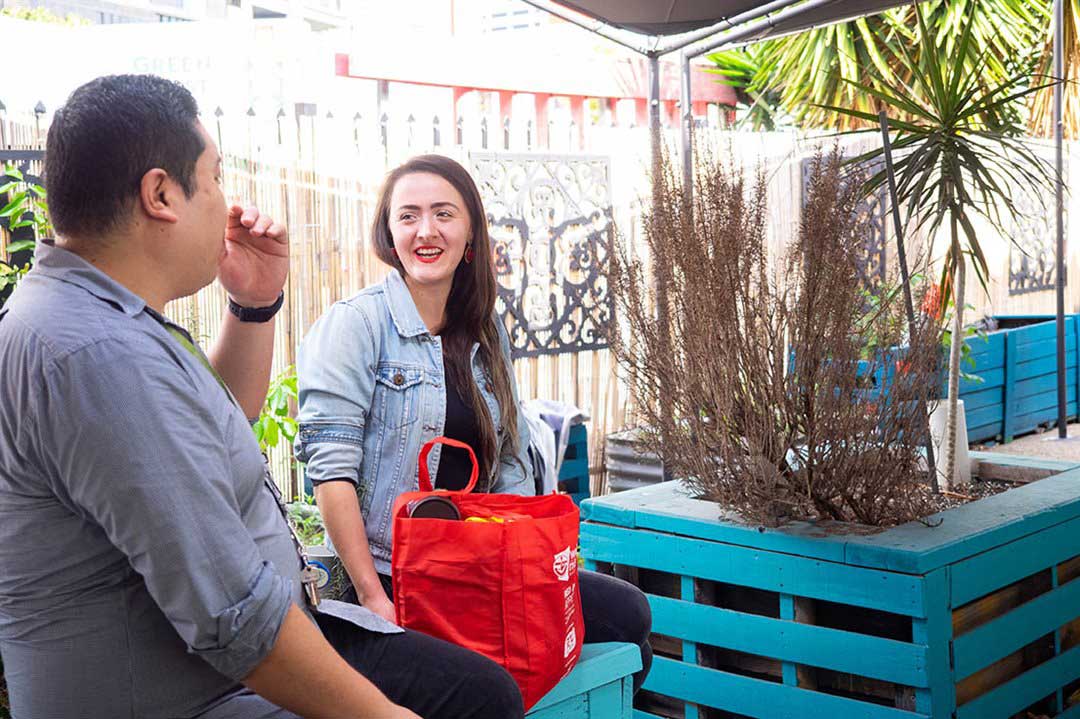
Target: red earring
{"x": 468, "y": 254}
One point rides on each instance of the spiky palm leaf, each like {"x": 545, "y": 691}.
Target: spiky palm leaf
{"x": 1041, "y": 122}
{"x": 814, "y": 69}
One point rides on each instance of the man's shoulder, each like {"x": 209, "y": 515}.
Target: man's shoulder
{"x": 53, "y": 320}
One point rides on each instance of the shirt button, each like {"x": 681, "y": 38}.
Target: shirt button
{"x": 399, "y": 379}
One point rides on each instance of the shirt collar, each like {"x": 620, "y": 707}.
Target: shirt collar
{"x": 402, "y": 308}
{"x": 65, "y": 266}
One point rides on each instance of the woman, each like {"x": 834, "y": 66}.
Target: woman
{"x": 420, "y": 355}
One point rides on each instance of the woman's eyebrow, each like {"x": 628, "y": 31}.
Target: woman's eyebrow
{"x": 434, "y": 205}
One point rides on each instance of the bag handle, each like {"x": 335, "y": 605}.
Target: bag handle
{"x": 425, "y": 476}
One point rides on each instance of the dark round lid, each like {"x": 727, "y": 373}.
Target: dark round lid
{"x": 433, "y": 508}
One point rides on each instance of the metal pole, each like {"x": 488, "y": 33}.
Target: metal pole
{"x": 686, "y": 137}
{"x": 1059, "y": 76}
{"x": 901, "y": 256}
{"x": 751, "y": 32}
{"x": 660, "y": 271}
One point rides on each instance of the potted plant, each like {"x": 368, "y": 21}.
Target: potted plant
{"x": 797, "y": 566}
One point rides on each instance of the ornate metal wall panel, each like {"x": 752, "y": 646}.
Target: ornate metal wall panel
{"x": 1032, "y": 253}
{"x": 872, "y": 221}
{"x": 551, "y": 228}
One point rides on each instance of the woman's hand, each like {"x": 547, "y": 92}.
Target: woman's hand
{"x": 378, "y": 602}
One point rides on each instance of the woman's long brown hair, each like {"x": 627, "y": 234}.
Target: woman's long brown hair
{"x": 470, "y": 308}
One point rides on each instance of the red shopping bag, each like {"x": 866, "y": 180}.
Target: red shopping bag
{"x": 506, "y": 589}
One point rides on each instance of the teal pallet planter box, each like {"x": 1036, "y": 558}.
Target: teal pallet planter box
{"x": 599, "y": 687}
{"x": 1018, "y": 368}
{"x": 977, "y": 617}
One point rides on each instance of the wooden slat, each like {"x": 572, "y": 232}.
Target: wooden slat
{"x": 756, "y": 698}
{"x": 984, "y": 397}
{"x": 992, "y": 343}
{"x": 1024, "y": 690}
{"x": 1002, "y": 636}
{"x": 987, "y": 379}
{"x": 667, "y": 507}
{"x": 890, "y": 592}
{"x": 914, "y": 548}
{"x": 599, "y": 664}
{"x": 982, "y": 574}
{"x": 935, "y": 632}
{"x": 792, "y": 641}
{"x": 972, "y": 528}
{"x": 1042, "y": 366}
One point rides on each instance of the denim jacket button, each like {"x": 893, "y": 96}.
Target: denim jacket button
{"x": 399, "y": 379}
{"x": 490, "y": 389}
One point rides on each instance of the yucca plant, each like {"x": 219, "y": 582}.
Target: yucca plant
{"x": 961, "y": 156}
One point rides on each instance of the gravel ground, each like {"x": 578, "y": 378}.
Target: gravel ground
{"x": 1045, "y": 445}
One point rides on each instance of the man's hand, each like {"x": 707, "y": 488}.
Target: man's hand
{"x": 256, "y": 258}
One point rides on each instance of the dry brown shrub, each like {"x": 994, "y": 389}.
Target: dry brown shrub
{"x": 755, "y": 381}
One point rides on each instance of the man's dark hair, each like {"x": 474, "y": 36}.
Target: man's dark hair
{"x": 110, "y": 133}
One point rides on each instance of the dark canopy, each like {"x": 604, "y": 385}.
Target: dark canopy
{"x": 672, "y": 17}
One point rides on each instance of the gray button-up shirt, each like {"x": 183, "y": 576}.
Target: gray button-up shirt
{"x": 144, "y": 565}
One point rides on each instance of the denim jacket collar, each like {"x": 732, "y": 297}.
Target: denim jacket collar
{"x": 403, "y": 310}
{"x": 66, "y": 266}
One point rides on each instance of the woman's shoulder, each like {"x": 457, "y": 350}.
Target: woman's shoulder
{"x": 367, "y": 309}
{"x": 371, "y": 302}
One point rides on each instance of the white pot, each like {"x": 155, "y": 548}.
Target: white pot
{"x": 938, "y": 422}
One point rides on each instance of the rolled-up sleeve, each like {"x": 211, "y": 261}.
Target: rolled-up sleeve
{"x": 336, "y": 380}
{"x": 144, "y": 460}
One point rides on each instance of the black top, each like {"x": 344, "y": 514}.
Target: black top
{"x": 454, "y": 463}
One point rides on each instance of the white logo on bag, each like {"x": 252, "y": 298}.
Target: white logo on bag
{"x": 570, "y": 643}
{"x": 564, "y": 560}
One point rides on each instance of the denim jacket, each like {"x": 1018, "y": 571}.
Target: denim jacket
{"x": 372, "y": 392}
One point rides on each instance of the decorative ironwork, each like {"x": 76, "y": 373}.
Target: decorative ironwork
{"x": 550, "y": 221}
{"x": 1032, "y": 252}
{"x": 872, "y": 224}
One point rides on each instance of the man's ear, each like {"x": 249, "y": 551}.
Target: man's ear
{"x": 159, "y": 195}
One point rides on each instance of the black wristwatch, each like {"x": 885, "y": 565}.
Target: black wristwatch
{"x": 256, "y": 314}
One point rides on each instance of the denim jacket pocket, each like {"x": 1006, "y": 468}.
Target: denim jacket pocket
{"x": 397, "y": 394}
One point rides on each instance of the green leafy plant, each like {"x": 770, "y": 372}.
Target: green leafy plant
{"x": 961, "y": 157}
{"x": 26, "y": 207}
{"x": 755, "y": 88}
{"x": 274, "y": 423}
{"x": 305, "y": 516}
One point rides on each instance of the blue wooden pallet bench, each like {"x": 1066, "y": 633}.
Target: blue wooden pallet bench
{"x": 599, "y": 687}
{"x": 975, "y": 617}
{"x": 574, "y": 472}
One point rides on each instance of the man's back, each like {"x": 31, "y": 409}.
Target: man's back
{"x": 134, "y": 517}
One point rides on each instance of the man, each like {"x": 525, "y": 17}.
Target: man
{"x": 146, "y": 568}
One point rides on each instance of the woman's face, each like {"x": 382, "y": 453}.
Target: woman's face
{"x": 430, "y": 227}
